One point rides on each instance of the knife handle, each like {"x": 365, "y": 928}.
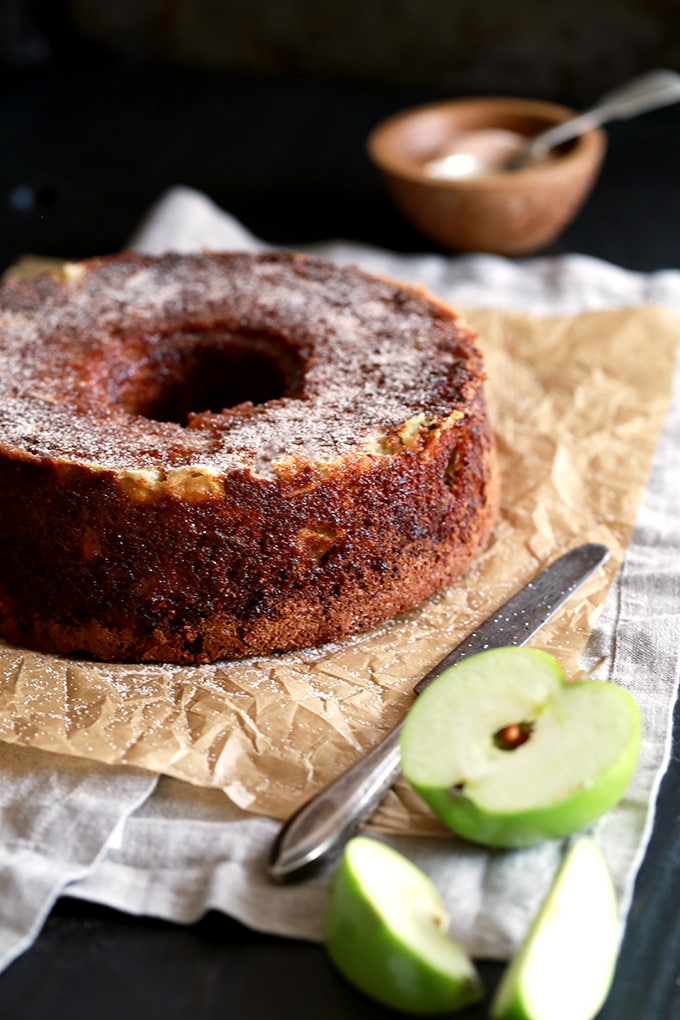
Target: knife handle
{"x": 333, "y": 815}
{"x": 329, "y": 818}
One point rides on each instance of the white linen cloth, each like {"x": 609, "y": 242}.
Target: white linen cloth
{"x": 156, "y": 846}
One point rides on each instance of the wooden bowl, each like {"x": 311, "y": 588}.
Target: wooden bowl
{"x": 510, "y": 213}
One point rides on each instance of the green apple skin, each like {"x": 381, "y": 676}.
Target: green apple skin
{"x": 454, "y": 721}
{"x": 385, "y": 931}
{"x": 565, "y": 967}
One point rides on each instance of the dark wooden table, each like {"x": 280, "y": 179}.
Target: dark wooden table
{"x": 88, "y": 144}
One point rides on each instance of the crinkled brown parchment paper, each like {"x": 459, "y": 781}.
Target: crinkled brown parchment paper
{"x": 577, "y": 404}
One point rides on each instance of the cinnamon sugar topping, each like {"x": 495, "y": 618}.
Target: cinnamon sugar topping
{"x": 347, "y": 361}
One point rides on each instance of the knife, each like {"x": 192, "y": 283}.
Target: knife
{"x": 326, "y": 821}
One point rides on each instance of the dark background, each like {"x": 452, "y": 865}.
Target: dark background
{"x": 266, "y": 107}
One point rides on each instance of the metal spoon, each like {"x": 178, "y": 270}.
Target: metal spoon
{"x": 500, "y": 150}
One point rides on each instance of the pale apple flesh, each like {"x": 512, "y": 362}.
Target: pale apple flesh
{"x": 385, "y": 931}
{"x": 508, "y": 753}
{"x": 565, "y": 967}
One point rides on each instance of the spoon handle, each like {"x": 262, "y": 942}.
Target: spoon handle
{"x": 648, "y": 92}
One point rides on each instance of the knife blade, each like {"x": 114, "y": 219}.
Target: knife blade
{"x": 325, "y": 822}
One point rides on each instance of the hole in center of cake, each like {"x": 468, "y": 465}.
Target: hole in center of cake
{"x": 171, "y": 377}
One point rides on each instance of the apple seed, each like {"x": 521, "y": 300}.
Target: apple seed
{"x": 509, "y": 737}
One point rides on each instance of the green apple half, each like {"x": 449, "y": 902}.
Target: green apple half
{"x": 385, "y": 931}
{"x": 508, "y": 753}
{"x": 565, "y": 967}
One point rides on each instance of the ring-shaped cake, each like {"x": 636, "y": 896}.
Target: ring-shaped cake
{"x": 223, "y": 455}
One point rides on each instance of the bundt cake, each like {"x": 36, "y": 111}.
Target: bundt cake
{"x": 224, "y": 455}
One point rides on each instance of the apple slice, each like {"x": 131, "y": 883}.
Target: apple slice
{"x": 386, "y": 933}
{"x": 565, "y": 967}
{"x": 508, "y": 754}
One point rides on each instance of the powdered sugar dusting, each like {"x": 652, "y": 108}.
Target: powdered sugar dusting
{"x": 373, "y": 354}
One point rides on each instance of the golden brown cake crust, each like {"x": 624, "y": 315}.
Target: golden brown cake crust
{"x": 215, "y": 456}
